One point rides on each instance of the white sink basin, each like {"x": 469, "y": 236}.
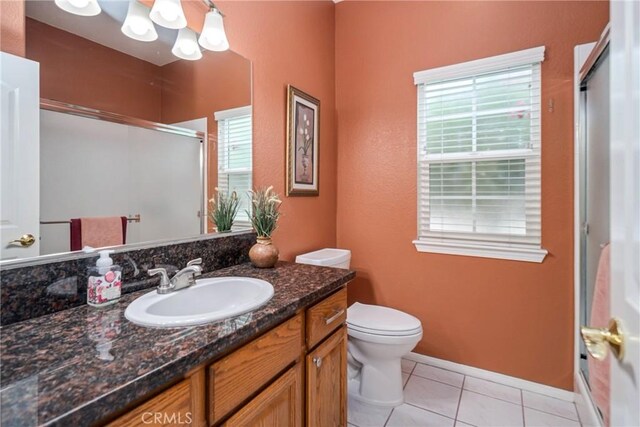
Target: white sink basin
{"x": 206, "y": 301}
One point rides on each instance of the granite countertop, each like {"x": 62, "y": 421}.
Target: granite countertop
{"x": 77, "y": 366}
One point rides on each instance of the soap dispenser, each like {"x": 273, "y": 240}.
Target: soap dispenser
{"x": 105, "y": 281}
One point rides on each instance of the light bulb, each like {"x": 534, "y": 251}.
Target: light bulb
{"x": 187, "y": 48}
{"x": 137, "y": 24}
{"x": 79, "y": 3}
{"x": 80, "y": 7}
{"x": 138, "y": 27}
{"x": 168, "y": 13}
{"x": 186, "y": 45}
{"x": 213, "y": 36}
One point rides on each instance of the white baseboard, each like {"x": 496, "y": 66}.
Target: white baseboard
{"x": 584, "y": 404}
{"x": 493, "y": 376}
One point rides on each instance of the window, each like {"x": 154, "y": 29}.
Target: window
{"x": 479, "y": 153}
{"x": 234, "y": 156}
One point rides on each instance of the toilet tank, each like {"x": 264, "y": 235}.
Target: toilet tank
{"x": 329, "y": 257}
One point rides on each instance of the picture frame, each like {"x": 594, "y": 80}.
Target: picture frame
{"x": 303, "y": 137}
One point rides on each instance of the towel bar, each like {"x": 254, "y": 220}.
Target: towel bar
{"x": 135, "y": 218}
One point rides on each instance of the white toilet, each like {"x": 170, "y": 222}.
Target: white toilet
{"x": 378, "y": 338}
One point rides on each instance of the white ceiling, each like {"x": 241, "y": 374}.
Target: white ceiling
{"x": 105, "y": 29}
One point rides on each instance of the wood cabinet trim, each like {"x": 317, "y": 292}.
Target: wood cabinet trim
{"x": 259, "y": 411}
{"x": 243, "y": 373}
{"x": 325, "y": 317}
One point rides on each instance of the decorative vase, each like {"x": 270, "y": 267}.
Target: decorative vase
{"x": 264, "y": 254}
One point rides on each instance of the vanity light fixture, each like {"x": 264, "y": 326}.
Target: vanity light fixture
{"x": 168, "y": 13}
{"x": 137, "y": 24}
{"x": 80, "y": 7}
{"x": 186, "y": 45}
{"x": 213, "y": 36}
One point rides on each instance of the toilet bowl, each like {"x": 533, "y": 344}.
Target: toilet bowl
{"x": 378, "y": 337}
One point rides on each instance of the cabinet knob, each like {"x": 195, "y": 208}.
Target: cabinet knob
{"x": 317, "y": 361}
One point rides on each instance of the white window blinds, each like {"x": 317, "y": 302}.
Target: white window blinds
{"x": 479, "y": 156}
{"x": 235, "y": 156}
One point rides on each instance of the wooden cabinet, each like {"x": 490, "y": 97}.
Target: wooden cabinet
{"x": 279, "y": 405}
{"x": 325, "y": 317}
{"x": 181, "y": 404}
{"x": 241, "y": 374}
{"x": 326, "y": 394}
{"x": 293, "y": 374}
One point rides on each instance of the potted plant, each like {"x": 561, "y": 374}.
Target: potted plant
{"x": 265, "y": 211}
{"x": 223, "y": 209}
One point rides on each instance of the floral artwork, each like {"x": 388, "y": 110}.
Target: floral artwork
{"x": 302, "y": 143}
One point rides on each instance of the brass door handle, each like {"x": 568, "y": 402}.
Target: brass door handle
{"x": 25, "y": 240}
{"x": 598, "y": 339}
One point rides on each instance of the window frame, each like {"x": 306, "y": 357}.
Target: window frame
{"x": 508, "y": 247}
{"x": 227, "y": 115}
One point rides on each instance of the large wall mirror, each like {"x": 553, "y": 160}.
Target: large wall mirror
{"x": 130, "y": 131}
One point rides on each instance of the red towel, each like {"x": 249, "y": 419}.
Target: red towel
{"x": 98, "y": 232}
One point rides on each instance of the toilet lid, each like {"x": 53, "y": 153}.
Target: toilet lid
{"x": 380, "y": 320}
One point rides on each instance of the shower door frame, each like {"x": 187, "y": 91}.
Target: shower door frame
{"x": 585, "y": 58}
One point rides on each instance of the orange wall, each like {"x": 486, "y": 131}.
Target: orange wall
{"x": 12, "y": 26}
{"x": 81, "y": 72}
{"x": 510, "y": 317}
{"x": 290, "y": 42}
{"x": 195, "y": 89}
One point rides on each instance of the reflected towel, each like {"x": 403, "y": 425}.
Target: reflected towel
{"x": 599, "y": 376}
{"x": 98, "y": 232}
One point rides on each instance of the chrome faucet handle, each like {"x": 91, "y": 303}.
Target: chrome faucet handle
{"x": 197, "y": 261}
{"x": 165, "y": 283}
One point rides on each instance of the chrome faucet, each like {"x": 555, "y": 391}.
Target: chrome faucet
{"x": 182, "y": 279}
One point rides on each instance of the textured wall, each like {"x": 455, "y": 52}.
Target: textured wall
{"x": 290, "y": 42}
{"x": 505, "y": 316}
{"x": 12, "y": 26}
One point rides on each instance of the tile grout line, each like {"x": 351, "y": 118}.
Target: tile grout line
{"x": 429, "y": 410}
{"x": 555, "y": 415}
{"x": 493, "y": 397}
{"x": 438, "y": 381}
{"x": 459, "y": 400}
{"x": 522, "y": 406}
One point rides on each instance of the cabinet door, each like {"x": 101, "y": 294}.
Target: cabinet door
{"x": 327, "y": 382}
{"x": 280, "y": 404}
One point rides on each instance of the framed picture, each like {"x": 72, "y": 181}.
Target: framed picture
{"x": 303, "y": 131}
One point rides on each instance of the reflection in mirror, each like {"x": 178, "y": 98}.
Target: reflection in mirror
{"x": 133, "y": 140}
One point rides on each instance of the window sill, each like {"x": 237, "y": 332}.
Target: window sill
{"x": 482, "y": 250}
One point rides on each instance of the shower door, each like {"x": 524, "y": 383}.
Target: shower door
{"x": 594, "y": 185}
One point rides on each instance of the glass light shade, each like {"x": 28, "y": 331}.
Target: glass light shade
{"x": 186, "y": 45}
{"x": 213, "y": 36}
{"x": 137, "y": 24}
{"x": 168, "y": 13}
{"x": 80, "y": 7}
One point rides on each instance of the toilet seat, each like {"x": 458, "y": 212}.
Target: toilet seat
{"x": 381, "y": 321}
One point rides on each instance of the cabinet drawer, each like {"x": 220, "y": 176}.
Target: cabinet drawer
{"x": 326, "y": 316}
{"x": 182, "y": 404}
{"x": 239, "y": 375}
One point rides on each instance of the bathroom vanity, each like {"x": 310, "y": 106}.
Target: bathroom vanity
{"x": 293, "y": 372}
{"x": 282, "y": 364}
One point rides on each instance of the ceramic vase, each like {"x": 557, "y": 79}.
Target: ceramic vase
{"x": 263, "y": 254}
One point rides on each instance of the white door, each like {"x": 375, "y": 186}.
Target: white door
{"x": 19, "y": 157}
{"x": 625, "y": 207}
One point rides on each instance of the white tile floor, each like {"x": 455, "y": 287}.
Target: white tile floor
{"x": 437, "y": 397}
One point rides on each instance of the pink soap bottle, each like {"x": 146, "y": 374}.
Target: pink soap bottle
{"x": 105, "y": 281}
